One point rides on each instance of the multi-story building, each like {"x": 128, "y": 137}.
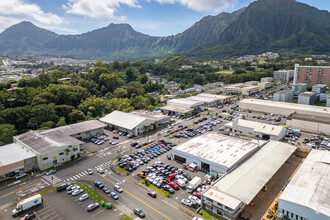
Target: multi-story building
{"x": 264, "y": 85}
{"x": 283, "y": 96}
{"x": 307, "y": 98}
{"x": 312, "y": 75}
{"x": 299, "y": 88}
{"x": 323, "y": 97}
{"x": 328, "y": 101}
{"x": 319, "y": 88}
{"x": 250, "y": 90}
{"x": 283, "y": 75}
{"x": 266, "y": 79}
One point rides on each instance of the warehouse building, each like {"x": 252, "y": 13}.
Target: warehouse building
{"x": 284, "y": 108}
{"x": 173, "y": 110}
{"x": 307, "y": 98}
{"x": 221, "y": 98}
{"x": 313, "y": 124}
{"x": 53, "y": 147}
{"x": 259, "y": 130}
{"x": 15, "y": 159}
{"x": 185, "y": 103}
{"x": 214, "y": 153}
{"x": 230, "y": 194}
{"x": 307, "y": 195}
{"x": 157, "y": 116}
{"x": 209, "y": 101}
{"x": 129, "y": 122}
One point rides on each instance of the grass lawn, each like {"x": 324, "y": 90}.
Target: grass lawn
{"x": 92, "y": 194}
{"x": 206, "y": 215}
{"x": 52, "y": 189}
{"x": 225, "y": 72}
{"x": 121, "y": 170}
{"x": 126, "y": 218}
{"x": 165, "y": 193}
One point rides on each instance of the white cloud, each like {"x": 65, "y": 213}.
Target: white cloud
{"x": 203, "y": 5}
{"x": 28, "y": 11}
{"x": 97, "y": 8}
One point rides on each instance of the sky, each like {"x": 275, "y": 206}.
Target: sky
{"x": 153, "y": 17}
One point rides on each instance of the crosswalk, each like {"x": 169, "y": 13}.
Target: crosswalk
{"x": 52, "y": 179}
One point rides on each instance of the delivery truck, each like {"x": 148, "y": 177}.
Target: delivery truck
{"x": 193, "y": 184}
{"x": 27, "y": 204}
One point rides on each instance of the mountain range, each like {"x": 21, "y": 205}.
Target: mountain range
{"x": 262, "y": 26}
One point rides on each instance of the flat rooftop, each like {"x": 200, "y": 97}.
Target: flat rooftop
{"x": 152, "y": 115}
{"x": 284, "y": 91}
{"x": 307, "y": 94}
{"x": 220, "y": 97}
{"x": 246, "y": 181}
{"x": 217, "y": 148}
{"x": 222, "y": 198}
{"x": 174, "y": 108}
{"x": 310, "y": 186}
{"x": 203, "y": 99}
{"x": 185, "y": 101}
{"x": 12, "y": 153}
{"x": 311, "y": 118}
{"x": 261, "y": 127}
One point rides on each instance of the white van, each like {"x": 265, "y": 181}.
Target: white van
{"x": 181, "y": 183}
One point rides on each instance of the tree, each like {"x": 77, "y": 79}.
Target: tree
{"x": 92, "y": 104}
{"x": 41, "y": 113}
{"x": 120, "y": 93}
{"x": 130, "y": 75}
{"x": 76, "y": 116}
{"x": 61, "y": 122}
{"x": 143, "y": 79}
{"x": 47, "y": 125}
{"x": 309, "y": 88}
{"x": 111, "y": 81}
{"x": 7, "y": 131}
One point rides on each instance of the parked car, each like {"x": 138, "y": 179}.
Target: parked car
{"x": 98, "y": 184}
{"x": 51, "y": 172}
{"x": 186, "y": 202}
{"x": 83, "y": 197}
{"x": 118, "y": 188}
{"x": 77, "y": 192}
{"x": 92, "y": 207}
{"x": 28, "y": 216}
{"x": 139, "y": 212}
{"x": 62, "y": 187}
{"x": 106, "y": 190}
{"x": 20, "y": 175}
{"x": 114, "y": 196}
{"x": 115, "y": 137}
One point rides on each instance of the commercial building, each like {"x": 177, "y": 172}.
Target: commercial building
{"x": 214, "y": 153}
{"x": 313, "y": 124}
{"x": 312, "y": 75}
{"x": 284, "y": 108}
{"x": 307, "y": 195}
{"x": 231, "y": 193}
{"x": 53, "y": 147}
{"x": 173, "y": 110}
{"x": 266, "y": 79}
{"x": 15, "y": 159}
{"x": 157, "y": 116}
{"x": 319, "y": 88}
{"x": 283, "y": 75}
{"x": 283, "y": 96}
{"x": 129, "y": 122}
{"x": 264, "y": 85}
{"x": 209, "y": 101}
{"x": 307, "y": 98}
{"x": 185, "y": 103}
{"x": 251, "y": 83}
{"x": 220, "y": 98}
{"x": 258, "y": 129}
{"x": 250, "y": 90}
{"x": 232, "y": 89}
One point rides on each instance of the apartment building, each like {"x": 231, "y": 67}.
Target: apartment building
{"x": 312, "y": 75}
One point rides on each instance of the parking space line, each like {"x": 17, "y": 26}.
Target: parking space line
{"x": 50, "y": 214}
{"x": 55, "y": 217}
{"x": 97, "y": 213}
{"x": 85, "y": 204}
{"x": 137, "y": 198}
{"x": 42, "y": 212}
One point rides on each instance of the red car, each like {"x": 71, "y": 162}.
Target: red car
{"x": 115, "y": 137}
{"x": 171, "y": 176}
{"x": 173, "y": 185}
{"x": 198, "y": 194}
{"x": 176, "y": 130}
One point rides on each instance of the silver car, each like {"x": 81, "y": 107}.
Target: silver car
{"x": 83, "y": 197}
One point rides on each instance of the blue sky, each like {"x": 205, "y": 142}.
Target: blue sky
{"x": 153, "y": 17}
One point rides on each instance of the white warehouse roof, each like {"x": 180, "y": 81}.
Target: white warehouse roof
{"x": 123, "y": 119}
{"x": 184, "y": 102}
{"x": 218, "y": 97}
{"x": 310, "y": 186}
{"x": 245, "y": 182}
{"x": 203, "y": 99}
{"x": 12, "y": 153}
{"x": 261, "y": 127}
{"x": 217, "y": 148}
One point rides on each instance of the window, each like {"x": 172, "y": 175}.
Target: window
{"x": 45, "y": 158}
{"x": 297, "y": 217}
{"x": 291, "y": 215}
{"x": 70, "y": 146}
{"x": 61, "y": 153}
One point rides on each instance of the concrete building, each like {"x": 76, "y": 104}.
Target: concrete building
{"x": 251, "y": 83}
{"x": 312, "y": 124}
{"x": 319, "y": 88}
{"x": 299, "y": 88}
{"x": 323, "y": 97}
{"x": 312, "y": 75}
{"x": 155, "y": 115}
{"x": 232, "y": 89}
{"x": 328, "y": 101}
{"x": 283, "y": 96}
{"x": 215, "y": 153}
{"x": 221, "y": 98}
{"x": 258, "y": 129}
{"x": 209, "y": 101}
{"x": 266, "y": 79}
{"x": 55, "y": 146}
{"x": 173, "y": 110}
{"x": 307, "y": 195}
{"x": 129, "y": 122}
{"x": 185, "y": 103}
{"x": 227, "y": 197}
{"x": 264, "y": 85}
{"x": 307, "y": 98}
{"x": 250, "y": 90}
{"x": 284, "y": 108}
{"x": 283, "y": 75}
{"x": 15, "y": 159}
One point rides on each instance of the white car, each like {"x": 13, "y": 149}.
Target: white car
{"x": 83, "y": 197}
{"x": 100, "y": 170}
{"x": 186, "y": 202}
{"x": 77, "y": 192}
{"x": 118, "y": 188}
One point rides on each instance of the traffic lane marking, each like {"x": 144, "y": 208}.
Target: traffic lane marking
{"x": 18, "y": 189}
{"x": 136, "y": 198}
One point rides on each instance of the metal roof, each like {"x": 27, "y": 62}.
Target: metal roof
{"x": 12, "y": 153}
{"x": 219, "y": 97}
{"x": 311, "y": 118}
{"x": 203, "y": 99}
{"x": 151, "y": 115}
{"x": 218, "y": 148}
{"x": 43, "y": 141}
{"x": 186, "y": 101}
{"x": 222, "y": 198}
{"x": 174, "y": 108}
{"x": 261, "y": 127}
{"x": 310, "y": 186}
{"x": 124, "y": 120}
{"x": 245, "y": 182}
